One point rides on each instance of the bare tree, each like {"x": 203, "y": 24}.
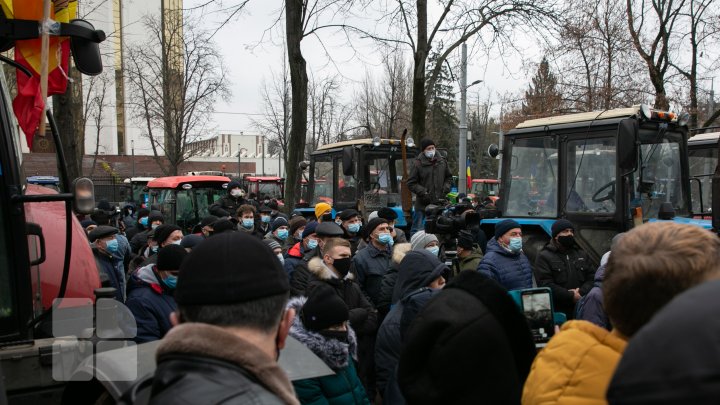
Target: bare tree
{"x": 697, "y": 19}
{"x": 95, "y": 105}
{"x": 276, "y": 120}
{"x": 177, "y": 76}
{"x": 598, "y": 64}
{"x": 458, "y": 22}
{"x": 67, "y": 111}
{"x": 655, "y": 20}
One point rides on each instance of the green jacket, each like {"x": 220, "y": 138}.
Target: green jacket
{"x": 470, "y": 262}
{"x": 343, "y": 388}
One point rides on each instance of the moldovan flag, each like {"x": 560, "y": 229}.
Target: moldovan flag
{"x": 469, "y": 175}
{"x": 28, "y": 104}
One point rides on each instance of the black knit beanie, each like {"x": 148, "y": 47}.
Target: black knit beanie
{"x": 323, "y": 309}
{"x": 171, "y": 257}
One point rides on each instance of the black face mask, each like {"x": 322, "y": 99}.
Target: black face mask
{"x": 339, "y": 335}
{"x": 567, "y": 241}
{"x": 342, "y": 265}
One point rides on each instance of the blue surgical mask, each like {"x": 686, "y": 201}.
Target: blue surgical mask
{"x": 265, "y": 218}
{"x": 515, "y": 244}
{"x": 282, "y": 233}
{"x": 385, "y": 239}
{"x": 144, "y": 221}
{"x": 354, "y": 228}
{"x": 430, "y": 154}
{"x": 154, "y": 249}
{"x": 312, "y": 244}
{"x": 248, "y": 223}
{"x": 435, "y": 250}
{"x": 111, "y": 246}
{"x": 153, "y": 226}
{"x": 170, "y": 282}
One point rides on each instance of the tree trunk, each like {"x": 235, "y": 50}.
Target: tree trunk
{"x": 419, "y": 104}
{"x": 299, "y": 89}
{"x": 67, "y": 111}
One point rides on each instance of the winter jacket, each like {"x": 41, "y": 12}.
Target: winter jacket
{"x": 112, "y": 273}
{"x": 575, "y": 367}
{"x": 206, "y": 364}
{"x": 416, "y": 272}
{"x": 151, "y": 303}
{"x": 227, "y": 206}
{"x": 140, "y": 240}
{"x": 468, "y": 345}
{"x": 563, "y": 271}
{"x": 342, "y": 388}
{"x": 133, "y": 230}
{"x": 674, "y": 358}
{"x": 254, "y": 231}
{"x": 591, "y": 307}
{"x": 363, "y": 316}
{"x": 370, "y": 265}
{"x": 511, "y": 270}
{"x": 389, "y": 279}
{"x": 430, "y": 180}
{"x": 283, "y": 245}
{"x": 296, "y": 264}
{"x": 469, "y": 262}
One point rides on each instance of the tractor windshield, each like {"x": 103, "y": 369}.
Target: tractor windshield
{"x": 532, "y": 183}
{"x": 659, "y": 178}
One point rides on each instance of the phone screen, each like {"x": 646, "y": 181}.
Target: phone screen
{"x": 537, "y": 307}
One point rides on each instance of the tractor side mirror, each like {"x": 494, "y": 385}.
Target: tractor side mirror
{"x": 493, "y": 151}
{"x": 348, "y": 165}
{"x": 627, "y": 145}
{"x": 86, "y": 48}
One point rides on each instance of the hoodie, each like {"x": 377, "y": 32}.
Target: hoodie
{"x": 416, "y": 271}
{"x": 343, "y": 387}
{"x": 151, "y": 303}
{"x": 674, "y": 358}
{"x": 389, "y": 280}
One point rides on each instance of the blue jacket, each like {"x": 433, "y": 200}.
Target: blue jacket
{"x": 591, "y": 307}
{"x": 111, "y": 272}
{"x": 511, "y": 270}
{"x": 150, "y": 303}
{"x": 370, "y": 265}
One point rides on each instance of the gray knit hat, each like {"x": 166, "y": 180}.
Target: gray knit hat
{"x": 421, "y": 239}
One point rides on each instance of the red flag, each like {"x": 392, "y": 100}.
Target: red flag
{"x": 28, "y": 104}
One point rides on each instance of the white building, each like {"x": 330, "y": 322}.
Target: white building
{"x": 252, "y": 148}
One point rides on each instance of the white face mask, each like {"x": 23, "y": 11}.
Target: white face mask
{"x": 236, "y": 192}
{"x": 177, "y": 242}
{"x": 430, "y": 154}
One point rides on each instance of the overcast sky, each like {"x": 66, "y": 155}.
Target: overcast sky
{"x": 251, "y": 52}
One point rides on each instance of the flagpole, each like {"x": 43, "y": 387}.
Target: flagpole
{"x": 44, "y": 61}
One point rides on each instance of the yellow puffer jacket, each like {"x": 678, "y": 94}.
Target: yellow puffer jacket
{"x": 575, "y": 367}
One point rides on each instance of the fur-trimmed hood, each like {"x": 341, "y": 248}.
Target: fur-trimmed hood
{"x": 323, "y": 272}
{"x": 333, "y": 352}
{"x": 399, "y": 252}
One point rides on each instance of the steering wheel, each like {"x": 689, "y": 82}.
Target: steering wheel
{"x": 610, "y": 195}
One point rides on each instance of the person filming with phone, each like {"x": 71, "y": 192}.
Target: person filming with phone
{"x": 564, "y": 267}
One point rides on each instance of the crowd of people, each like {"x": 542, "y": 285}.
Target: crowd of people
{"x": 396, "y": 324}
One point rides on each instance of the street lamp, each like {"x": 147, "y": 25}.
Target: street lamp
{"x": 462, "y": 163}
{"x": 132, "y": 149}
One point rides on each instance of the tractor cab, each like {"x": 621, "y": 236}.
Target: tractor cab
{"x": 604, "y": 171}
{"x": 703, "y": 158}
{"x": 137, "y": 191}
{"x": 184, "y": 200}
{"x": 270, "y": 186}
{"x": 363, "y": 174}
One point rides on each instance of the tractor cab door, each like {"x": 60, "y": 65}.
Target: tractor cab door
{"x": 345, "y": 186}
{"x": 589, "y": 197}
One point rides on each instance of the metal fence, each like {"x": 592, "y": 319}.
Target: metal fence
{"x": 110, "y": 188}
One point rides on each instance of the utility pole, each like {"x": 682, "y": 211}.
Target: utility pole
{"x": 462, "y": 160}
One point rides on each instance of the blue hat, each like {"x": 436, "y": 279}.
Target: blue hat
{"x": 501, "y": 228}
{"x": 309, "y": 229}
